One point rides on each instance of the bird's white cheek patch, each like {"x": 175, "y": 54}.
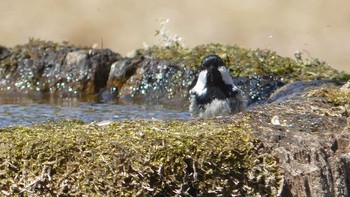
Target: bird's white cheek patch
{"x": 227, "y": 77}
{"x": 200, "y": 88}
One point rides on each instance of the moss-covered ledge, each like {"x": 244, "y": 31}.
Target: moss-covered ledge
{"x": 141, "y": 158}
{"x": 244, "y": 62}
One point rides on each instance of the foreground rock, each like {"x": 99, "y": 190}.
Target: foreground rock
{"x": 309, "y": 135}
{"x": 136, "y": 158}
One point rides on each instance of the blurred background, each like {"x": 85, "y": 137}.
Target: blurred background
{"x": 319, "y": 28}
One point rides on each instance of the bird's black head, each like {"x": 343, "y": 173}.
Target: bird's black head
{"x": 212, "y": 61}
{"x": 211, "y": 64}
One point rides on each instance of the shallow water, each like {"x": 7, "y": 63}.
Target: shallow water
{"x": 17, "y": 110}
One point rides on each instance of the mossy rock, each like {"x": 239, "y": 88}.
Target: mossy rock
{"x": 142, "y": 158}
{"x": 333, "y": 96}
{"x": 249, "y": 62}
{"x": 167, "y": 73}
{"x": 71, "y": 71}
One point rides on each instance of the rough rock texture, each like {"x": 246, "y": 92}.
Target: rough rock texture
{"x": 310, "y": 137}
{"x": 60, "y": 69}
{"x": 157, "y": 82}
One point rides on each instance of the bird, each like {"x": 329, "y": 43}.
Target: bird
{"x": 214, "y": 93}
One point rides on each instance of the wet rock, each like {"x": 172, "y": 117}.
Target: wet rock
{"x": 158, "y": 81}
{"x": 298, "y": 88}
{"x": 53, "y": 68}
{"x": 155, "y": 81}
{"x": 121, "y": 71}
{"x": 258, "y": 88}
{"x": 81, "y": 72}
{"x": 152, "y": 80}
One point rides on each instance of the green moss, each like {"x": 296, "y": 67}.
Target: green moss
{"x": 248, "y": 62}
{"x": 332, "y": 96}
{"x": 135, "y": 158}
{"x": 38, "y": 46}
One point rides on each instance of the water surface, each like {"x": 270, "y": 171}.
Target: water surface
{"x": 26, "y": 110}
